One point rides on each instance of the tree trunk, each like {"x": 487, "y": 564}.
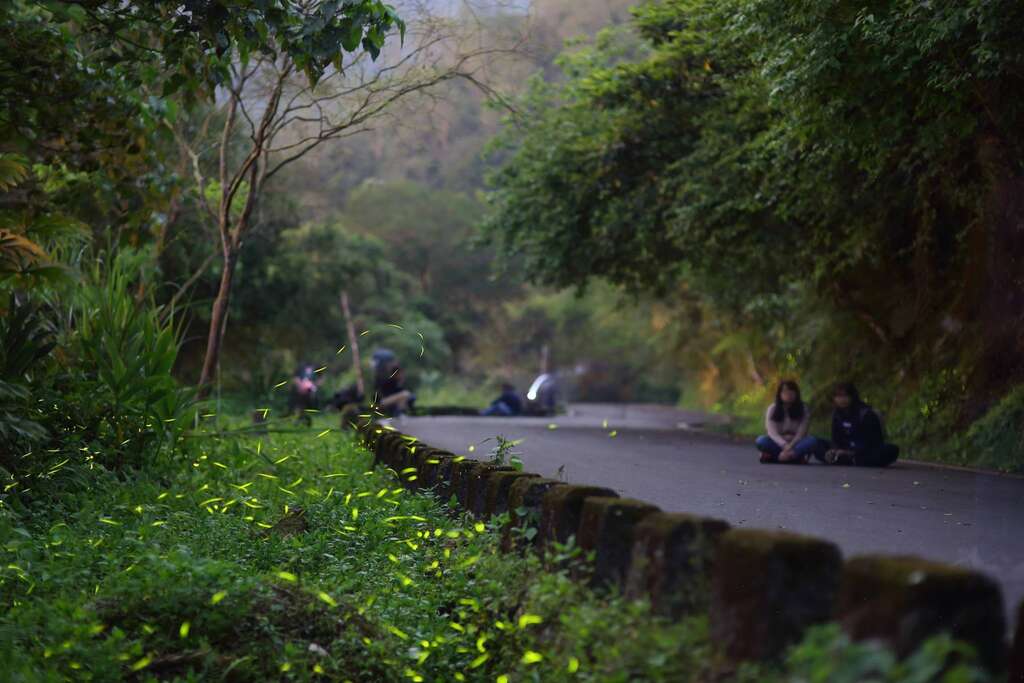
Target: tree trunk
{"x": 218, "y": 317}
{"x": 353, "y": 342}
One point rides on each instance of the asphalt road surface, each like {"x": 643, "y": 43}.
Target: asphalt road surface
{"x": 654, "y": 453}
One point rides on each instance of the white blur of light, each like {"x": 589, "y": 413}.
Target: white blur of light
{"x": 531, "y": 395}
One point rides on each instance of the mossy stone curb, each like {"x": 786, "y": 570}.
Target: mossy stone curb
{"x": 430, "y": 466}
{"x": 384, "y": 449}
{"x": 459, "y": 481}
{"x": 672, "y": 559}
{"x": 606, "y": 527}
{"x": 476, "y": 493}
{"x": 905, "y": 600}
{"x": 525, "y": 496}
{"x": 497, "y": 491}
{"x": 767, "y": 588}
{"x": 561, "y": 508}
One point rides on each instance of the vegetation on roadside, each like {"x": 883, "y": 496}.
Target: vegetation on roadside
{"x": 284, "y": 556}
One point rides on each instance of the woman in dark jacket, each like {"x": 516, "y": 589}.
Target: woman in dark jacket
{"x": 857, "y": 434}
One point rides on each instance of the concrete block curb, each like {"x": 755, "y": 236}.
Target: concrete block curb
{"x": 606, "y": 527}
{"x": 561, "y": 509}
{"x": 763, "y": 589}
{"x": 476, "y": 493}
{"x": 499, "y": 486}
{"x": 768, "y": 587}
{"x": 904, "y": 600}
{"x": 672, "y": 561}
{"x": 524, "y": 503}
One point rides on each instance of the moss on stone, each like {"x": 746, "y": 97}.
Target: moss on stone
{"x": 905, "y": 600}
{"x": 768, "y": 587}
{"x": 561, "y": 508}
{"x": 429, "y": 467}
{"x": 524, "y": 505}
{"x": 606, "y": 527}
{"x": 498, "y": 486}
{"x": 459, "y": 483}
{"x": 672, "y": 561}
{"x": 476, "y": 493}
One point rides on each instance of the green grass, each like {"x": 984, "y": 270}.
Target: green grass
{"x": 181, "y": 572}
{"x": 176, "y": 572}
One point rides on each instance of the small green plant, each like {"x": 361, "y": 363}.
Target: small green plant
{"x": 827, "y": 655}
{"x": 504, "y": 453}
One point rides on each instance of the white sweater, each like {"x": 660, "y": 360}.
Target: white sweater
{"x": 788, "y": 430}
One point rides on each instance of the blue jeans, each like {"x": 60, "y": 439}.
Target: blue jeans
{"x": 499, "y": 408}
{"x": 804, "y": 447}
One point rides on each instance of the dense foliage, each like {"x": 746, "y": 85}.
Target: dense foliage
{"x": 837, "y": 182}
{"x": 284, "y": 557}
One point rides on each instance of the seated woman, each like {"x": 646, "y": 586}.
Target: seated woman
{"x": 390, "y": 394}
{"x": 506, "y": 405}
{"x": 786, "y": 423}
{"x": 857, "y": 434}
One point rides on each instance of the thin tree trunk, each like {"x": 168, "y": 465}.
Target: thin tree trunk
{"x": 353, "y": 342}
{"x": 218, "y": 318}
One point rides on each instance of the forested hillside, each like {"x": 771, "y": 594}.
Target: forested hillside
{"x": 824, "y": 191}
{"x": 682, "y": 201}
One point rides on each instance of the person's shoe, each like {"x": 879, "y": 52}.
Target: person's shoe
{"x": 793, "y": 459}
{"x": 767, "y": 457}
{"x": 837, "y": 457}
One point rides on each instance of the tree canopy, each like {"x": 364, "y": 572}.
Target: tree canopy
{"x": 777, "y": 157}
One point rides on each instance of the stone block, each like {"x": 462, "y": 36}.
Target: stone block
{"x": 561, "y": 509}
{"x": 430, "y": 465}
{"x": 904, "y": 600}
{"x": 499, "y": 484}
{"x": 767, "y": 588}
{"x": 476, "y": 493}
{"x": 671, "y": 561}
{"x": 408, "y": 463}
{"x": 443, "y": 488}
{"x": 385, "y": 450}
{"x": 459, "y": 482}
{"x": 606, "y": 528}
{"x": 524, "y": 503}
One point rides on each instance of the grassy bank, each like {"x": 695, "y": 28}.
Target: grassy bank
{"x": 283, "y": 556}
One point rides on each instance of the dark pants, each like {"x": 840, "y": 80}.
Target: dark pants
{"x": 804, "y": 447}
{"x": 883, "y": 456}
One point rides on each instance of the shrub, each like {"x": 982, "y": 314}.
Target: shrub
{"x": 26, "y": 339}
{"x": 996, "y": 440}
{"x": 116, "y": 396}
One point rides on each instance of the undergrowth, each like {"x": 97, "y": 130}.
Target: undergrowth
{"x": 284, "y": 556}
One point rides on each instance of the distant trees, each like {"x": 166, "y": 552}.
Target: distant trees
{"x": 833, "y": 176}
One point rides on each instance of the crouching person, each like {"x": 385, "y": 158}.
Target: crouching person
{"x": 858, "y": 437}
{"x": 786, "y": 425}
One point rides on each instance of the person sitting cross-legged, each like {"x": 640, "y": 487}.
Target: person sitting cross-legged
{"x": 858, "y": 437}
{"x": 786, "y": 423}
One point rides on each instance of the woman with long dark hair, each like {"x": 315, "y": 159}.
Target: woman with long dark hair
{"x": 858, "y": 437}
{"x": 786, "y": 423}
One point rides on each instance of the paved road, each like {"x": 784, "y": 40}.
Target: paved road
{"x": 965, "y": 518}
